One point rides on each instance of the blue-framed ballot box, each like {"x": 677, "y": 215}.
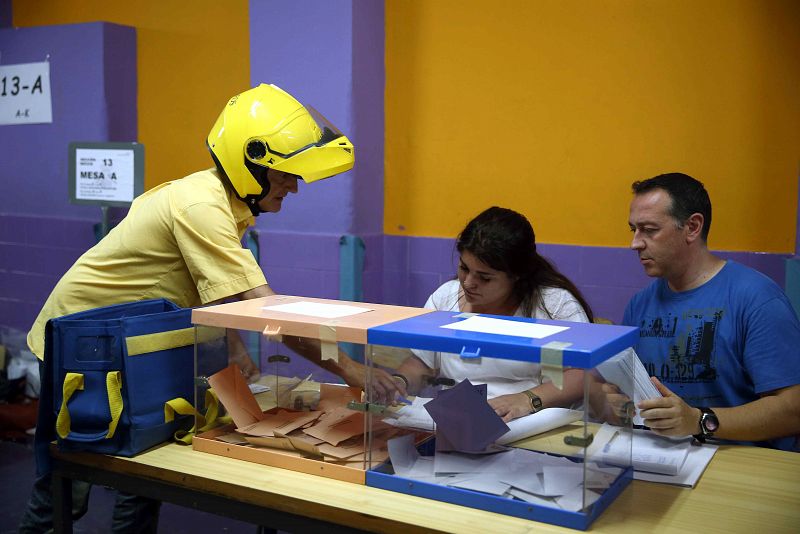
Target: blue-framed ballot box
{"x": 423, "y": 413}
{"x": 561, "y": 464}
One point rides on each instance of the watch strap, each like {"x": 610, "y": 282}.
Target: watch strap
{"x": 535, "y": 400}
{"x": 706, "y": 414}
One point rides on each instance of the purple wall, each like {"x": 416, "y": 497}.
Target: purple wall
{"x": 305, "y": 47}
{"x": 93, "y": 83}
{"x": 368, "y": 115}
{"x": 608, "y": 277}
{"x": 329, "y": 55}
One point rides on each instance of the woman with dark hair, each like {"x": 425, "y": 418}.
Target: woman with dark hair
{"x": 500, "y": 273}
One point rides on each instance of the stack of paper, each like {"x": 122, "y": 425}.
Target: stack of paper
{"x": 655, "y": 458}
{"x": 626, "y": 371}
{"x": 697, "y": 459}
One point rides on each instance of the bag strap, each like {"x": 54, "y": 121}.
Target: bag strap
{"x": 181, "y": 406}
{"x": 114, "y": 389}
{"x": 74, "y": 382}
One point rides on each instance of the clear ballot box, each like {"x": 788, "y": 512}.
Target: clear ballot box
{"x": 418, "y": 426}
{"x": 269, "y": 384}
{"x": 563, "y": 464}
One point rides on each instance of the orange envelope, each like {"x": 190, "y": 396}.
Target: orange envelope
{"x": 332, "y": 396}
{"x": 235, "y": 395}
{"x": 302, "y": 445}
{"x": 282, "y": 422}
{"x": 337, "y": 426}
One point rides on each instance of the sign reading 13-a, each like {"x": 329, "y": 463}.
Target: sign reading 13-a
{"x": 25, "y": 96}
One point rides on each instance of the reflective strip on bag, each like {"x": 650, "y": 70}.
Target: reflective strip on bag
{"x": 171, "y": 339}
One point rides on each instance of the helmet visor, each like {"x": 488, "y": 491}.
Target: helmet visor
{"x": 305, "y": 131}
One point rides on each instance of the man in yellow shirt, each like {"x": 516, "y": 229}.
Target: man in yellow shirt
{"x": 182, "y": 241}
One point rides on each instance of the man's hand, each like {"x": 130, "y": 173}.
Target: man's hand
{"x": 669, "y": 415}
{"x": 609, "y": 404}
{"x": 511, "y": 406}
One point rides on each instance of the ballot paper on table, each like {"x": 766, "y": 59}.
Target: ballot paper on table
{"x": 537, "y": 423}
{"x": 626, "y": 371}
{"x": 412, "y": 415}
{"x": 649, "y": 452}
{"x": 697, "y": 460}
{"x": 257, "y": 388}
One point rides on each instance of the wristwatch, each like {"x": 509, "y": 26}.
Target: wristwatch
{"x": 709, "y": 424}
{"x": 536, "y": 402}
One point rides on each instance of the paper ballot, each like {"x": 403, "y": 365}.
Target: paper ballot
{"x": 505, "y": 327}
{"x": 536, "y": 423}
{"x": 318, "y": 309}
{"x": 649, "y": 452}
{"x": 626, "y": 371}
{"x": 695, "y": 464}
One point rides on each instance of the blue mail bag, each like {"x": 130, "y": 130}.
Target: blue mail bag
{"x": 114, "y": 369}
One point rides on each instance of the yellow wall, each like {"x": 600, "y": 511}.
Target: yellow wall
{"x": 553, "y": 107}
{"x": 192, "y": 56}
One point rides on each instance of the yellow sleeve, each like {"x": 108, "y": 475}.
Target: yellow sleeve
{"x": 208, "y": 239}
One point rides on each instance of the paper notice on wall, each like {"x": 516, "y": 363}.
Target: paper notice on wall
{"x": 25, "y": 96}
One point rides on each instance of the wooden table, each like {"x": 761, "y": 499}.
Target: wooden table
{"x": 744, "y": 489}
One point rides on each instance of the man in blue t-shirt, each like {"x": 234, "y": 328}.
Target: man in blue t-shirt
{"x": 721, "y": 336}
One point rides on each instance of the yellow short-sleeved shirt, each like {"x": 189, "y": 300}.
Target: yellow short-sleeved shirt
{"x": 180, "y": 241}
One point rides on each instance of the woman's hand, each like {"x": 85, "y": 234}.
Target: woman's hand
{"x": 511, "y": 406}
{"x": 384, "y": 388}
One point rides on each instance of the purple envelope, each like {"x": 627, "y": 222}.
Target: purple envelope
{"x": 464, "y": 420}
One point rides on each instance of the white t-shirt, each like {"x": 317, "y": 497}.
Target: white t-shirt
{"x": 502, "y": 377}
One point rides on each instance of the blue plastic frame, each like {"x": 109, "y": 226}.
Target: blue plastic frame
{"x": 589, "y": 344}
{"x": 380, "y": 477}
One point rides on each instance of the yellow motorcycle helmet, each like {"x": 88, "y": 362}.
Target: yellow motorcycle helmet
{"x": 266, "y": 128}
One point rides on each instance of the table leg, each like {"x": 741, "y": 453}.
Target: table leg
{"x": 62, "y": 504}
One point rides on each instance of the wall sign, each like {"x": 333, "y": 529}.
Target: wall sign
{"x": 25, "y": 96}
{"x": 105, "y": 174}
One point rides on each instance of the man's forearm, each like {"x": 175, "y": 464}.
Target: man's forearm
{"x": 772, "y": 416}
{"x": 311, "y": 350}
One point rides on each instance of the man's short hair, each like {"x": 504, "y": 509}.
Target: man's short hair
{"x": 688, "y": 197}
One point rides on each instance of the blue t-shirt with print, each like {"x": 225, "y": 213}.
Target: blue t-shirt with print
{"x": 720, "y": 344}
